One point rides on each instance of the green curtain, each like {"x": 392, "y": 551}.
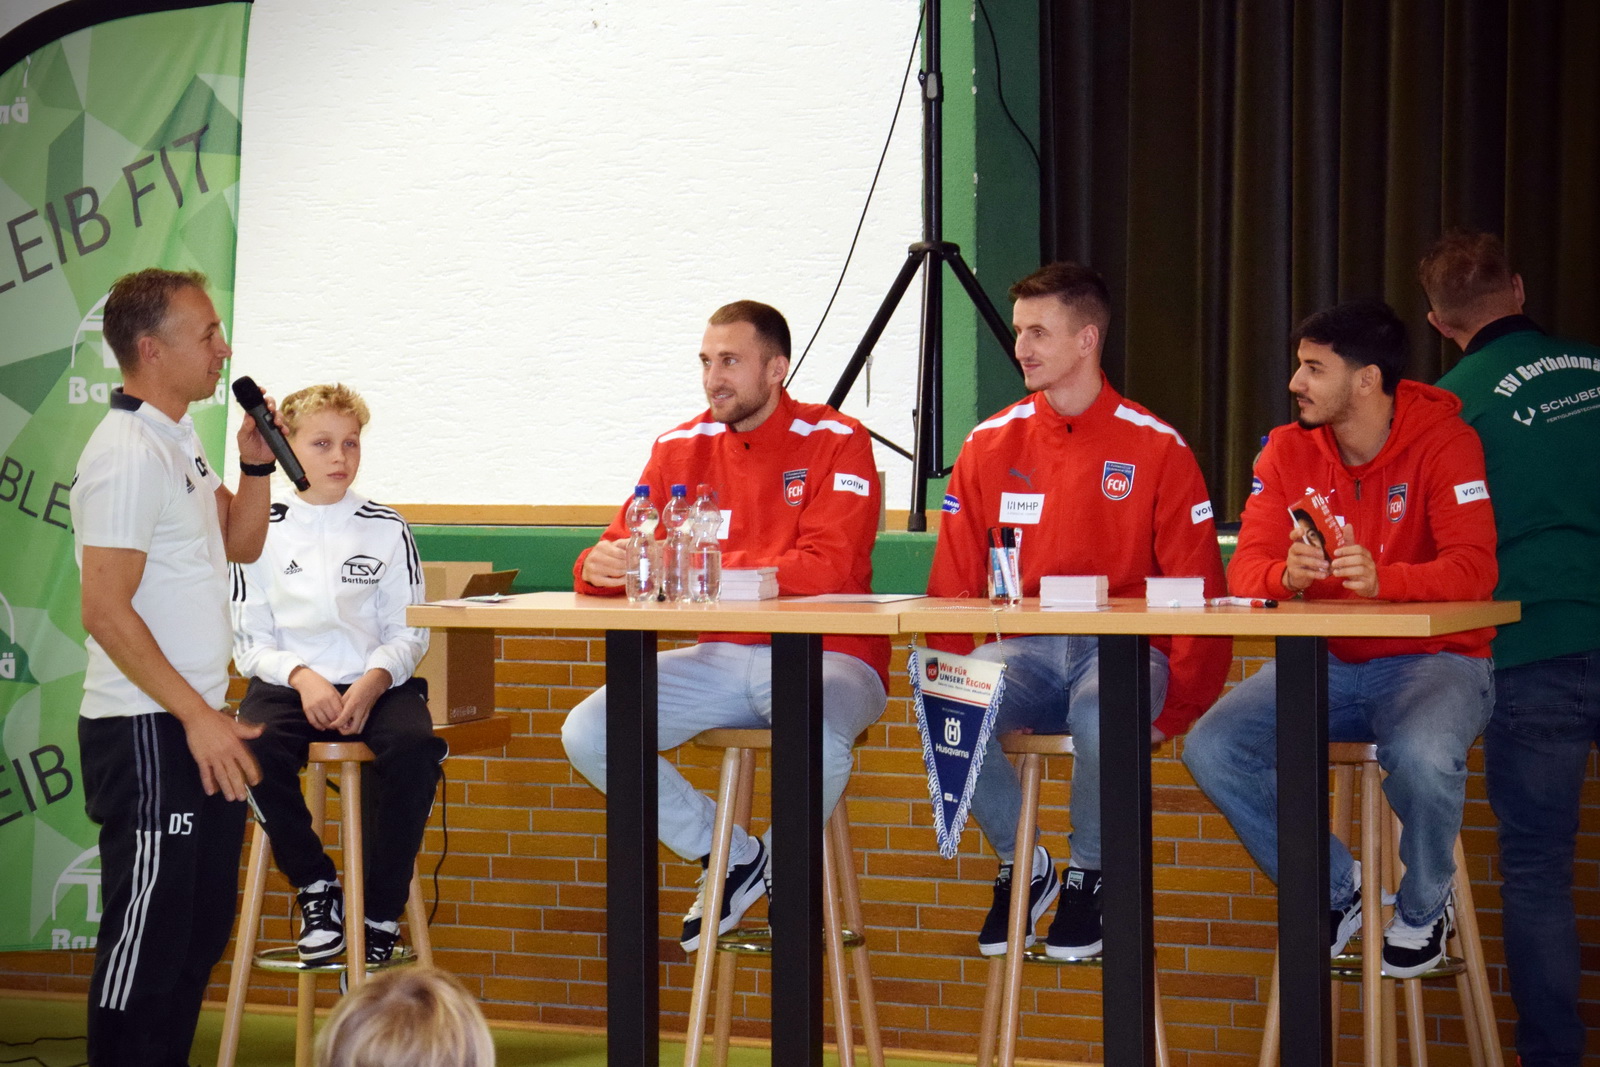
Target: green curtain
{"x": 1233, "y": 165}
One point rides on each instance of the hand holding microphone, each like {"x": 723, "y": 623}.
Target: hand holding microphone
{"x": 248, "y": 393}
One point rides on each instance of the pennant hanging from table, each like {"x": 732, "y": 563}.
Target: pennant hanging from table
{"x": 956, "y": 698}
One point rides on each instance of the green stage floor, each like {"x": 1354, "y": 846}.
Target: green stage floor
{"x": 269, "y": 1041}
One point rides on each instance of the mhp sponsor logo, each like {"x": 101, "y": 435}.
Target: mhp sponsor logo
{"x": 952, "y": 504}
{"x": 794, "y": 486}
{"x": 1116, "y": 480}
{"x": 361, "y": 570}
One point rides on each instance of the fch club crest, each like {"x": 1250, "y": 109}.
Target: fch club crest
{"x": 794, "y": 486}
{"x": 1116, "y": 480}
{"x": 1397, "y": 501}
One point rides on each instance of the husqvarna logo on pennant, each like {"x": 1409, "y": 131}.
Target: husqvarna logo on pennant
{"x": 361, "y": 570}
{"x": 1116, "y": 480}
{"x": 1397, "y": 501}
{"x": 794, "y": 487}
{"x": 952, "y": 731}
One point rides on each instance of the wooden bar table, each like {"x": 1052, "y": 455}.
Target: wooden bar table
{"x": 1301, "y": 629}
{"x": 632, "y": 906}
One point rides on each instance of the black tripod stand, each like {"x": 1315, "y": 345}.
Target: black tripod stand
{"x": 932, "y": 251}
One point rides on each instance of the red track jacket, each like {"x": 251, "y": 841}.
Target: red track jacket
{"x": 1113, "y": 491}
{"x": 1421, "y": 507}
{"x": 799, "y": 492}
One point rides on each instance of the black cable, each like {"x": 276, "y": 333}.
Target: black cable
{"x": 899, "y": 102}
{"x": 444, "y": 824}
{"x": 1000, "y": 90}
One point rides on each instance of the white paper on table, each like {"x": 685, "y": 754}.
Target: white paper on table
{"x": 857, "y": 598}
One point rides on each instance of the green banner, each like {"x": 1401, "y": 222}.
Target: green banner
{"x": 119, "y": 149}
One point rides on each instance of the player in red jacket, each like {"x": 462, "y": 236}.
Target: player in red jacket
{"x": 798, "y": 490}
{"x": 1404, "y": 478}
{"x": 1098, "y": 485}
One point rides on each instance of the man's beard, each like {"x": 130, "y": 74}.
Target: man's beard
{"x": 739, "y": 413}
{"x": 1328, "y": 417}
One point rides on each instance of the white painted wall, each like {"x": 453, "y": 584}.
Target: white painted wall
{"x": 505, "y": 223}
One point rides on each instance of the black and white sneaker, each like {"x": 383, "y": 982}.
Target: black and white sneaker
{"x": 381, "y": 941}
{"x": 1042, "y": 890}
{"x": 1343, "y": 924}
{"x": 1075, "y": 931}
{"x": 745, "y": 885}
{"x": 321, "y": 921}
{"x": 1411, "y": 950}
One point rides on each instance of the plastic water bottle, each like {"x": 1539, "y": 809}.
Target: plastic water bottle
{"x": 677, "y": 517}
{"x": 705, "y": 564}
{"x": 642, "y": 575}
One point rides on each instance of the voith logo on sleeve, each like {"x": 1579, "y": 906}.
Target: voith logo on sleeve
{"x": 1116, "y": 480}
{"x": 1467, "y": 492}
{"x": 794, "y": 486}
{"x": 851, "y": 483}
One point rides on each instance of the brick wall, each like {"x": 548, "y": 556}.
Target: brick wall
{"x": 522, "y": 894}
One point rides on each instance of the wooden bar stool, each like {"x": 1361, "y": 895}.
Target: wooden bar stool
{"x": 1001, "y": 1002}
{"x": 842, "y": 924}
{"x": 1380, "y": 878}
{"x": 470, "y": 736}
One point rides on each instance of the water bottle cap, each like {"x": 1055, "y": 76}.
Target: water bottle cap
{"x": 680, "y": 490}
{"x": 642, "y": 490}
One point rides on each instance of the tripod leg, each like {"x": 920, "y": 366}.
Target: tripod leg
{"x": 880, "y": 321}
{"x": 980, "y": 300}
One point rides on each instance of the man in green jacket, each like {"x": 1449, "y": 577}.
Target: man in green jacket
{"x": 1535, "y": 402}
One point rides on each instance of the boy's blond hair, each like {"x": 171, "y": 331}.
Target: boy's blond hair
{"x": 412, "y": 1016}
{"x": 318, "y": 398}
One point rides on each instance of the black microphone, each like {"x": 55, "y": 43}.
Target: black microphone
{"x": 248, "y": 394}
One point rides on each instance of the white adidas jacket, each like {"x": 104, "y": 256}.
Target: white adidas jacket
{"x": 329, "y": 592}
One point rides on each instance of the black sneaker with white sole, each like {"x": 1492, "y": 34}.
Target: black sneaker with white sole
{"x": 1075, "y": 931}
{"x": 1042, "y": 890}
{"x": 1412, "y": 950}
{"x": 1343, "y": 924}
{"x": 321, "y": 921}
{"x": 746, "y": 884}
{"x": 381, "y": 941}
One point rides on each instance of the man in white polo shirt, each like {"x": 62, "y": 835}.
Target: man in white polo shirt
{"x": 165, "y": 768}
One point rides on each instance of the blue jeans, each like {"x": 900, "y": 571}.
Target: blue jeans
{"x": 1536, "y": 753}
{"x": 719, "y": 685}
{"x": 1423, "y": 711}
{"x": 1052, "y": 687}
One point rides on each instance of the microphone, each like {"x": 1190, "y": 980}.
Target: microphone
{"x": 248, "y": 394}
